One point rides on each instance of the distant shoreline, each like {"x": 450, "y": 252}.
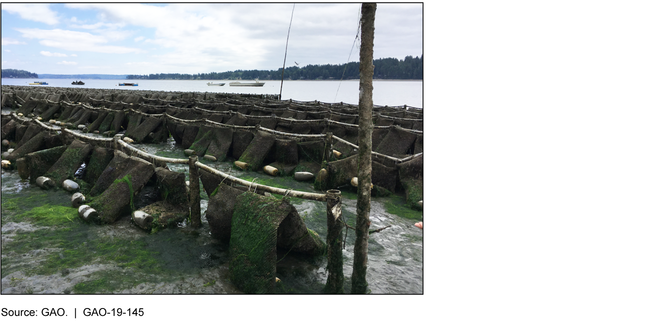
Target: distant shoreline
{"x": 217, "y": 79}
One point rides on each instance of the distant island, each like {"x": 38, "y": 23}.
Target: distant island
{"x": 15, "y": 73}
{"x": 385, "y": 68}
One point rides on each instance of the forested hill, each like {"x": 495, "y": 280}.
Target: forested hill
{"x": 15, "y": 73}
{"x": 385, "y": 68}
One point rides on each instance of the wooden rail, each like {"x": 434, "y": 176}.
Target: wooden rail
{"x": 270, "y": 189}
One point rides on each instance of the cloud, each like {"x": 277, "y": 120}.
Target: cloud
{"x": 10, "y": 41}
{"x": 110, "y": 31}
{"x": 74, "y": 41}
{"x": 205, "y": 36}
{"x": 98, "y": 25}
{"x": 33, "y": 12}
{"x": 66, "y": 63}
{"x": 53, "y": 54}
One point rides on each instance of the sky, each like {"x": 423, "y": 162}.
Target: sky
{"x": 139, "y": 38}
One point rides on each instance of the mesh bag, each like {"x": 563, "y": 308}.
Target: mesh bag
{"x": 257, "y": 150}
{"x": 258, "y": 227}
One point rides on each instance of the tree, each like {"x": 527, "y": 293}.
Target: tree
{"x": 385, "y": 68}
{"x": 15, "y": 73}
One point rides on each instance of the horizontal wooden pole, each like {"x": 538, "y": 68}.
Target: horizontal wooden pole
{"x": 154, "y": 157}
{"x": 270, "y": 189}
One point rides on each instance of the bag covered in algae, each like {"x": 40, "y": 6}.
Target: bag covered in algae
{"x": 259, "y": 225}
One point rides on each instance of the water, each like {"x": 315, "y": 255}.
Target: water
{"x": 71, "y": 256}
{"x": 385, "y": 92}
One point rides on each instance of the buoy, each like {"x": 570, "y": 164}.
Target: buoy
{"x": 142, "y": 219}
{"x": 78, "y": 199}
{"x": 336, "y": 153}
{"x": 271, "y": 170}
{"x": 44, "y": 182}
{"x": 322, "y": 175}
{"x": 20, "y": 114}
{"x": 128, "y": 140}
{"x": 241, "y": 165}
{"x": 70, "y": 185}
{"x": 5, "y": 163}
{"x": 210, "y": 158}
{"x": 303, "y": 176}
{"x": 39, "y": 118}
{"x": 355, "y": 182}
{"x": 87, "y": 213}
{"x": 419, "y": 224}
{"x": 52, "y": 121}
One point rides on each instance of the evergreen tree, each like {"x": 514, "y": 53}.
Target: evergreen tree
{"x": 385, "y": 68}
{"x": 15, "y": 73}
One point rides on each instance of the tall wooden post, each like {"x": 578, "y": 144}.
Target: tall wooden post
{"x": 334, "y": 243}
{"x": 195, "y": 196}
{"x": 328, "y": 147}
{"x": 366, "y": 68}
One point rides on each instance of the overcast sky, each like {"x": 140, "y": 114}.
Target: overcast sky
{"x": 132, "y": 38}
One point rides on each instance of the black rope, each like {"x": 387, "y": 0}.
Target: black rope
{"x": 350, "y": 54}
{"x": 285, "y": 52}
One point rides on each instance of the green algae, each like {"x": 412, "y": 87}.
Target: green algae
{"x": 49, "y": 215}
{"x": 13, "y": 204}
{"x": 76, "y": 245}
{"x": 253, "y": 242}
{"x": 99, "y": 285}
{"x": 396, "y": 205}
{"x": 127, "y": 179}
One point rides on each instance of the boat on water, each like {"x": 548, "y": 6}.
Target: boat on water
{"x": 128, "y": 84}
{"x": 38, "y": 83}
{"x": 216, "y": 83}
{"x": 79, "y": 82}
{"x": 247, "y": 84}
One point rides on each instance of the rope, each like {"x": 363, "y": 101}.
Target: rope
{"x": 350, "y": 54}
{"x": 285, "y": 52}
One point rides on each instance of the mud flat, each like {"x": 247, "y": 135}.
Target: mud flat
{"x": 132, "y": 152}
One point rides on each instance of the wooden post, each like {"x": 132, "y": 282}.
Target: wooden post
{"x": 195, "y": 196}
{"x": 360, "y": 263}
{"x": 334, "y": 243}
{"x": 328, "y": 147}
{"x": 115, "y": 144}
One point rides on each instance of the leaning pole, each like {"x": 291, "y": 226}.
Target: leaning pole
{"x": 366, "y": 69}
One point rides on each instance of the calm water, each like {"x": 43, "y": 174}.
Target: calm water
{"x": 385, "y": 92}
